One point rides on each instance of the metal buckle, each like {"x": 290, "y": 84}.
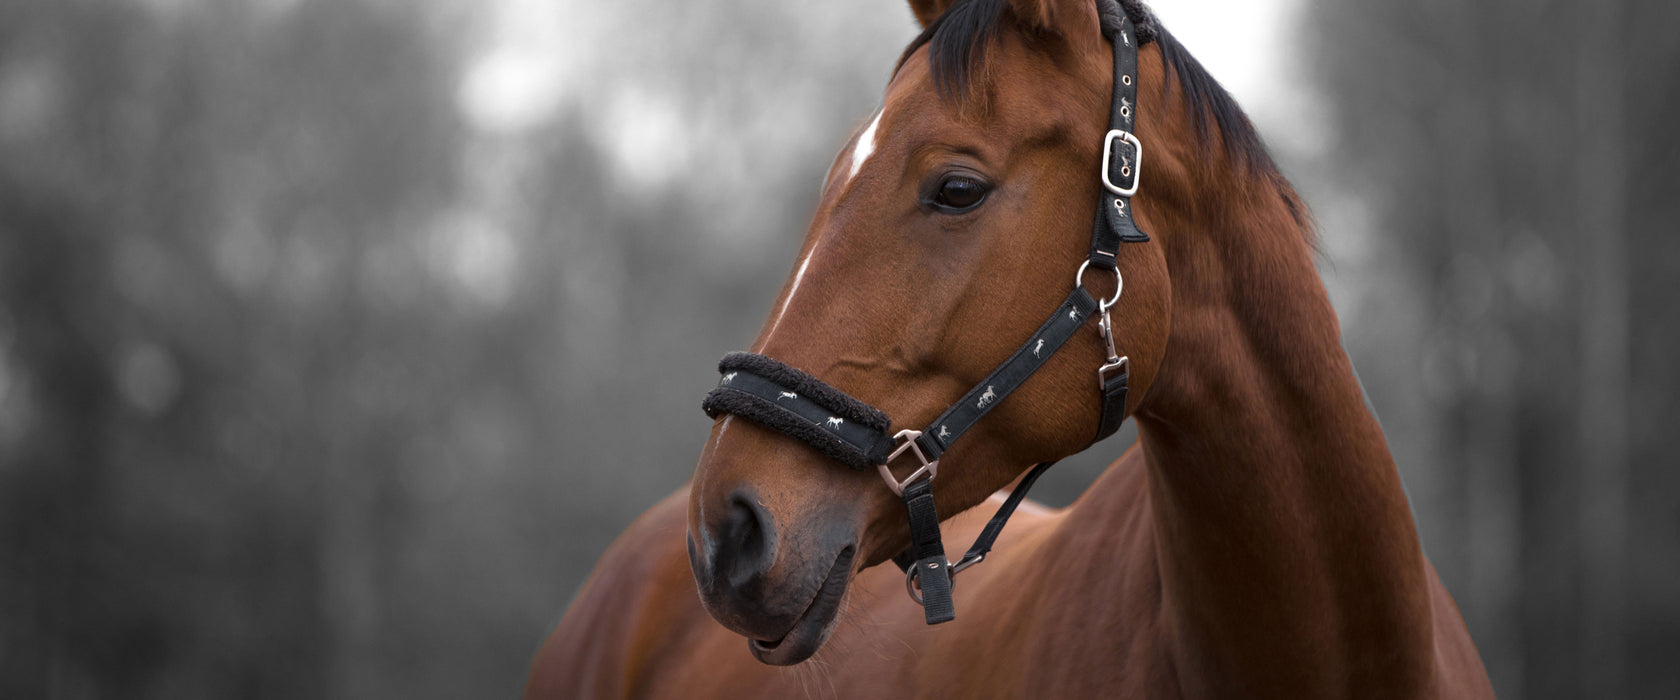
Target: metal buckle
{"x": 929, "y": 468}
{"x": 1115, "y": 360}
{"x": 1137, "y": 167}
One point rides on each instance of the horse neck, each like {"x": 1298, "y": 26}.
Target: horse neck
{"x": 1281, "y": 524}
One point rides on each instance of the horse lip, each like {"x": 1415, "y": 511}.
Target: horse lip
{"x": 813, "y": 626}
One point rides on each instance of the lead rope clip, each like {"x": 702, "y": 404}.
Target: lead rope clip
{"x": 1115, "y": 360}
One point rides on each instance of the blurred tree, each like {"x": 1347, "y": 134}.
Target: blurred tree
{"x": 317, "y": 382}
{"x": 1495, "y": 143}
{"x": 185, "y": 194}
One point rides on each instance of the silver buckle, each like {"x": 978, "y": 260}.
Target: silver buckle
{"x": 929, "y": 468}
{"x": 1137, "y": 167}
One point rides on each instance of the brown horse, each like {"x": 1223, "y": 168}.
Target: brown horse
{"x": 1254, "y": 543}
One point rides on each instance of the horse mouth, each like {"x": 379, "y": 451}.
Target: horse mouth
{"x": 814, "y": 625}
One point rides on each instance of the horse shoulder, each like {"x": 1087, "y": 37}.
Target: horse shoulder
{"x": 612, "y": 630}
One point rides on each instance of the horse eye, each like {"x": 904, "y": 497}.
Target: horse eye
{"x": 959, "y": 194}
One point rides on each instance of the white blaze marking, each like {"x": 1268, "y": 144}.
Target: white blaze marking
{"x": 797, "y": 278}
{"x": 865, "y": 145}
{"x": 721, "y": 430}
{"x": 860, "y": 152}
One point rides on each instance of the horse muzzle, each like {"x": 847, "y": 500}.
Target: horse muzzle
{"x": 787, "y": 605}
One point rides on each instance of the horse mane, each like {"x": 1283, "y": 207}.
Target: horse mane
{"x": 958, "y": 41}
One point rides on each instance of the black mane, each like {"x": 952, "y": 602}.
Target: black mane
{"x": 959, "y": 39}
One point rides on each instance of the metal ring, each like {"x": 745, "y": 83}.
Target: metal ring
{"x": 1126, "y": 79}
{"x": 912, "y": 579}
{"x": 1119, "y": 285}
{"x": 910, "y": 585}
{"x": 1125, "y": 111}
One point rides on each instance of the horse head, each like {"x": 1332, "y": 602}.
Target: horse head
{"x": 950, "y": 227}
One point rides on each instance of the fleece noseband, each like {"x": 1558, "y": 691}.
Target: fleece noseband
{"x": 784, "y": 399}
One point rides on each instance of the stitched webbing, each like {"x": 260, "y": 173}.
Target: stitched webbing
{"x": 1003, "y": 381}
{"x": 933, "y": 572}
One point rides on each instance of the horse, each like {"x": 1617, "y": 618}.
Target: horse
{"x": 1254, "y": 542}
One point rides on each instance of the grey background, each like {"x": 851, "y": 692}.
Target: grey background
{"x": 338, "y": 338}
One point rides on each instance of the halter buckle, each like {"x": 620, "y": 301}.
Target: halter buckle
{"x": 929, "y": 468}
{"x": 1137, "y": 165}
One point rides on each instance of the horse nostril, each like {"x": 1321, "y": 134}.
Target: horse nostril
{"x": 700, "y": 564}
{"x": 749, "y": 540}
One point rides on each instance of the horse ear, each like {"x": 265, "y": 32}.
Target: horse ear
{"x": 929, "y": 10}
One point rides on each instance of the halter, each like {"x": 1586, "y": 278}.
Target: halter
{"x": 798, "y": 405}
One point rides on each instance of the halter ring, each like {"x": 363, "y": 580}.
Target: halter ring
{"x": 1119, "y": 285}
{"x": 911, "y": 577}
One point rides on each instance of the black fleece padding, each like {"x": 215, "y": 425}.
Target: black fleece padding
{"x": 1110, "y": 12}
{"x": 841, "y": 403}
{"x": 786, "y": 400}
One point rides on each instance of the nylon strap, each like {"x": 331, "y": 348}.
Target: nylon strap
{"x": 1113, "y": 405}
{"x": 932, "y": 569}
{"x": 1003, "y": 381}
{"x": 994, "y": 527}
{"x": 1114, "y": 223}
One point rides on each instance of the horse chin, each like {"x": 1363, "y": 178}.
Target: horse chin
{"x": 813, "y": 626}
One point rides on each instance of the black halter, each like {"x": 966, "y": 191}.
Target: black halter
{"x": 849, "y": 431}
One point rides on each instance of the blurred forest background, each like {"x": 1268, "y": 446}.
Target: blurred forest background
{"x": 325, "y": 324}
